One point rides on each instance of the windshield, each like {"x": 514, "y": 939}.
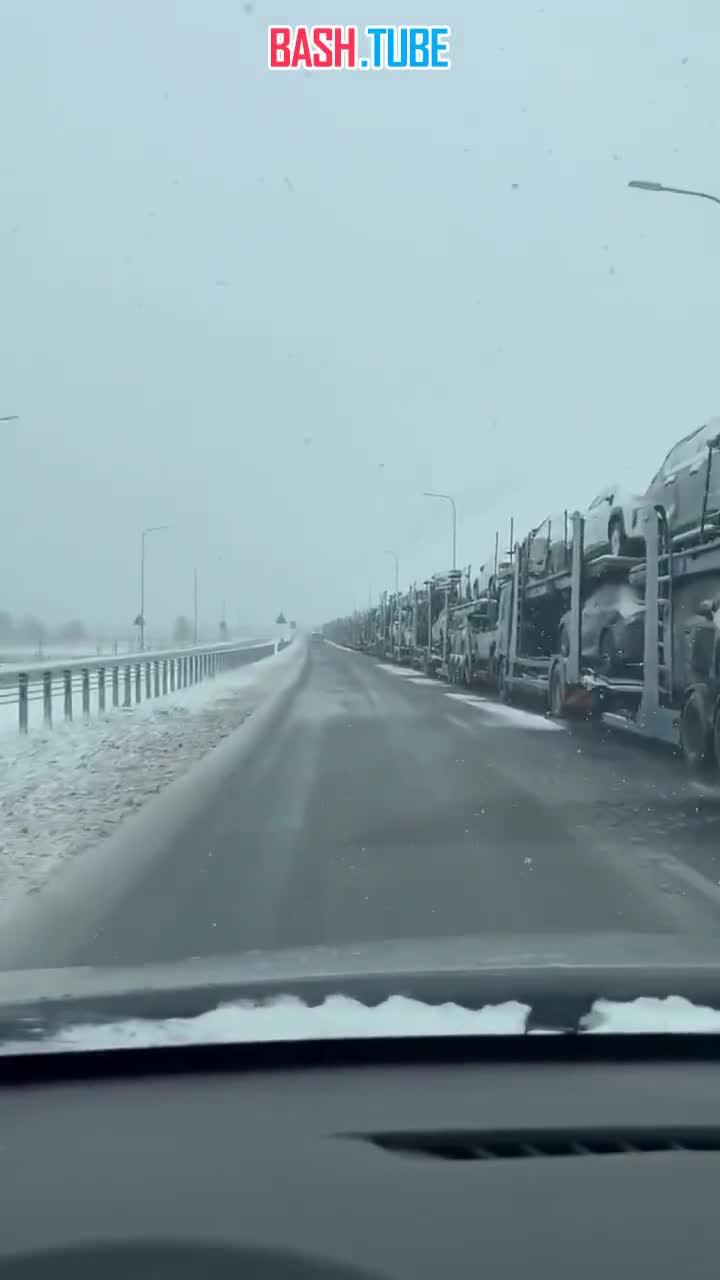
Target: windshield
{"x": 305, "y": 329}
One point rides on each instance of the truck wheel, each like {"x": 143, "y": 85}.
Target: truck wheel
{"x": 616, "y": 536}
{"x": 695, "y": 734}
{"x": 502, "y": 685}
{"x": 716, "y": 737}
{"x": 556, "y": 693}
{"x": 608, "y": 654}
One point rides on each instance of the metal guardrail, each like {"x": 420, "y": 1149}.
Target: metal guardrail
{"x": 120, "y": 681}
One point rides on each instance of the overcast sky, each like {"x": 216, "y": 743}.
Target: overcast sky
{"x": 269, "y": 310}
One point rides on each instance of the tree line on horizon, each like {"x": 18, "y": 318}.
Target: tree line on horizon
{"x": 28, "y": 629}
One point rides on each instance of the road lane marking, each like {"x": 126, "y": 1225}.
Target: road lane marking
{"x": 408, "y": 672}
{"x": 460, "y": 724}
{"x": 509, "y": 717}
{"x": 672, "y": 866}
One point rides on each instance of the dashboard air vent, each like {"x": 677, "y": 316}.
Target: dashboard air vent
{"x": 543, "y": 1143}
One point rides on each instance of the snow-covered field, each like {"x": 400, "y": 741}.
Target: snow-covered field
{"x": 64, "y": 789}
{"x": 55, "y": 651}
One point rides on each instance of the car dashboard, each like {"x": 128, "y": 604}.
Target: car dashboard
{"x": 515, "y": 1156}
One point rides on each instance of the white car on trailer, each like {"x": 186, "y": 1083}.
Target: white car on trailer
{"x": 613, "y": 523}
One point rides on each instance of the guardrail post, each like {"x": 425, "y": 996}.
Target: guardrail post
{"x": 138, "y": 676}
{"x": 23, "y": 702}
{"x": 101, "y": 688}
{"x": 165, "y": 675}
{"x": 128, "y": 686}
{"x": 67, "y": 693}
{"x": 47, "y": 698}
{"x": 156, "y": 678}
{"x": 86, "y": 691}
{"x": 116, "y": 686}
{"x": 184, "y": 662}
{"x": 172, "y": 675}
{"x": 148, "y": 685}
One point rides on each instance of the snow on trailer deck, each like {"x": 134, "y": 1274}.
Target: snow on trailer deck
{"x": 602, "y": 567}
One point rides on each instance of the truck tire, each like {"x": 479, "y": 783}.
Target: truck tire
{"x": 556, "y": 693}
{"x": 696, "y": 735}
{"x": 502, "y": 688}
{"x": 609, "y": 659}
{"x": 716, "y": 738}
{"x": 617, "y": 540}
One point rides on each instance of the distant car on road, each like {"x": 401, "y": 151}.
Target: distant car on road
{"x": 612, "y": 629}
{"x": 688, "y": 483}
{"x": 317, "y": 637}
{"x": 612, "y": 523}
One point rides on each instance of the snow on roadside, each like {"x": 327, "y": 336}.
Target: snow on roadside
{"x": 64, "y": 789}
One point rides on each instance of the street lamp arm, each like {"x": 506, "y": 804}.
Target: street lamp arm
{"x": 447, "y": 498}
{"x": 154, "y": 528}
{"x": 701, "y": 195}
{"x": 638, "y": 185}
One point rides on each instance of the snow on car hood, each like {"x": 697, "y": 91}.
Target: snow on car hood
{"x": 340, "y": 1017}
{"x": 651, "y": 1015}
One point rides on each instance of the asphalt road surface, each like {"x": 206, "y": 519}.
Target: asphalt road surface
{"x": 388, "y": 806}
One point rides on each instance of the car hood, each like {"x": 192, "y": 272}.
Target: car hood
{"x": 474, "y": 985}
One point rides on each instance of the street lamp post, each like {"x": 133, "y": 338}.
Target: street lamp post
{"x": 446, "y": 498}
{"x": 638, "y": 185}
{"x": 155, "y": 528}
{"x": 223, "y": 611}
{"x": 397, "y": 569}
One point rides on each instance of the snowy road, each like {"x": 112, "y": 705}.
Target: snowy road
{"x": 383, "y": 805}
